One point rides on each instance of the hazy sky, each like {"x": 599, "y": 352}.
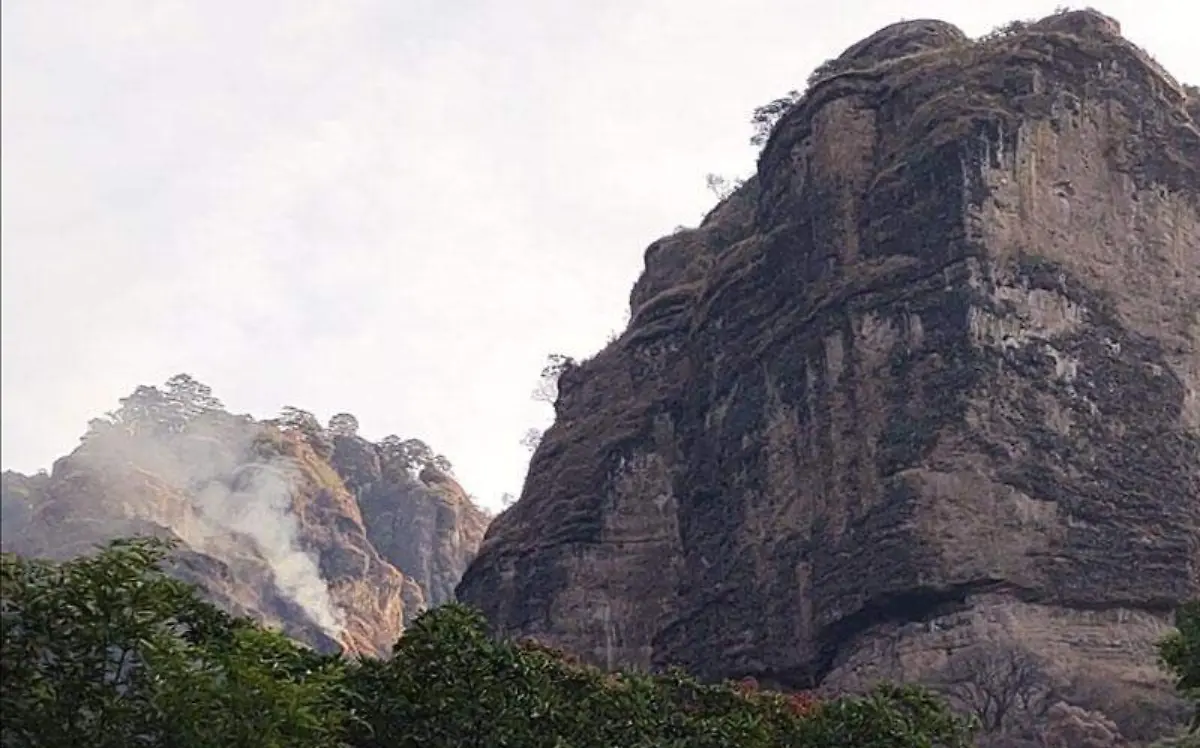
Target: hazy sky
{"x": 395, "y": 209}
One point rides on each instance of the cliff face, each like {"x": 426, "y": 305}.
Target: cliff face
{"x": 931, "y": 377}
{"x": 424, "y": 525}
{"x": 338, "y": 541}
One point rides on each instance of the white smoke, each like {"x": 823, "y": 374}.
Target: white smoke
{"x": 240, "y": 495}
{"x": 260, "y": 506}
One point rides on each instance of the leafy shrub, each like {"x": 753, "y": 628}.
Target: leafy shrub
{"x": 449, "y": 684}
{"x": 1180, "y": 654}
{"x": 109, "y": 651}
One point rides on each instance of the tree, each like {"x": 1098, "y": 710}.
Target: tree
{"x": 291, "y": 417}
{"x": 531, "y": 439}
{"x": 440, "y": 463}
{"x": 151, "y": 411}
{"x": 306, "y": 424}
{"x": 1003, "y": 685}
{"x": 1187, "y": 740}
{"x": 1180, "y": 654}
{"x": 190, "y": 397}
{"x": 765, "y": 117}
{"x": 413, "y": 455}
{"x": 721, "y": 186}
{"x": 108, "y": 651}
{"x": 148, "y": 411}
{"x": 1069, "y": 726}
{"x": 98, "y": 427}
{"x": 343, "y": 424}
{"x": 556, "y": 365}
{"x": 448, "y": 683}
{"x": 391, "y": 456}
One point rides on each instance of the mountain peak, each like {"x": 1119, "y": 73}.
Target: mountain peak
{"x": 929, "y": 379}
{"x": 311, "y": 528}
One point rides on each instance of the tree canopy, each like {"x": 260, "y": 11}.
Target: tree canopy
{"x": 343, "y": 424}
{"x": 765, "y": 117}
{"x": 191, "y": 397}
{"x": 108, "y": 650}
{"x": 412, "y": 454}
{"x": 149, "y": 410}
{"x": 1180, "y": 653}
{"x": 547, "y": 387}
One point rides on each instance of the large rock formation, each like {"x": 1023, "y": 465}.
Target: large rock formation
{"x": 930, "y": 377}
{"x": 338, "y": 541}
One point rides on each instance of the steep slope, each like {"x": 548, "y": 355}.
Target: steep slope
{"x": 425, "y": 525}
{"x": 930, "y": 378}
{"x": 273, "y": 518}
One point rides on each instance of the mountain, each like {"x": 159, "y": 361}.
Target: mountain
{"x": 922, "y": 395}
{"x": 315, "y": 530}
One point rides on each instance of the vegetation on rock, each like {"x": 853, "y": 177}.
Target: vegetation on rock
{"x": 1180, "y": 653}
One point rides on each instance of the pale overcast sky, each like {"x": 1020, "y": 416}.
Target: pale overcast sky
{"x": 395, "y": 209}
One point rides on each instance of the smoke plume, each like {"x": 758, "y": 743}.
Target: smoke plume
{"x": 235, "y": 496}
{"x": 259, "y": 505}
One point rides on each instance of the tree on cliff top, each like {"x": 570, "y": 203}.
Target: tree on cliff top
{"x": 191, "y": 397}
{"x": 722, "y": 186}
{"x": 547, "y": 391}
{"x": 343, "y": 424}
{"x": 412, "y": 455}
{"x": 150, "y": 410}
{"x": 305, "y": 424}
{"x": 547, "y": 388}
{"x": 765, "y": 117}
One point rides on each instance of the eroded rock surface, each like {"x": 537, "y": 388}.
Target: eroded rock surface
{"x": 932, "y": 374}
{"x": 337, "y": 541}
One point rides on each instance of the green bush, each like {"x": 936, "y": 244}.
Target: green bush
{"x": 1180, "y": 654}
{"x": 109, "y": 651}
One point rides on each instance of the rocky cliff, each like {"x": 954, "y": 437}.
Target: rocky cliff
{"x": 334, "y": 539}
{"x": 930, "y": 378}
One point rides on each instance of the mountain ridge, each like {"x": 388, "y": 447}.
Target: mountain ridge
{"x": 338, "y": 541}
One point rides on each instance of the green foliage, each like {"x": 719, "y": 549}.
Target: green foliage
{"x": 557, "y": 364}
{"x": 1012, "y": 28}
{"x": 295, "y": 420}
{"x": 411, "y": 454}
{"x": 106, "y": 650}
{"x": 1180, "y": 654}
{"x": 109, "y": 651}
{"x": 191, "y": 397}
{"x": 156, "y": 412}
{"x": 765, "y": 117}
{"x": 449, "y": 684}
{"x": 722, "y": 187}
{"x": 1189, "y": 740}
{"x": 343, "y": 424}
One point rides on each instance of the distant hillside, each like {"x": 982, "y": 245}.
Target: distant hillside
{"x": 308, "y": 527}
